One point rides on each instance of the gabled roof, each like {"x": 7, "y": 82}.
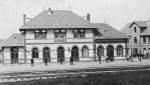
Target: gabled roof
{"x": 146, "y": 32}
{"x": 126, "y": 30}
{"x": 143, "y": 25}
{"x": 57, "y": 19}
{"x": 108, "y": 32}
{"x": 140, "y": 23}
{"x": 15, "y": 39}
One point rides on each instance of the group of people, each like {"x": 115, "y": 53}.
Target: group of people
{"x": 109, "y": 58}
{"x": 60, "y": 60}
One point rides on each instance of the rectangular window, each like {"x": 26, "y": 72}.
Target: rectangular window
{"x": 60, "y": 33}
{"x": 134, "y": 29}
{"x": 79, "y": 33}
{"x": 144, "y": 40}
{"x": 135, "y": 51}
{"x": 149, "y": 39}
{"x": 76, "y": 33}
{"x": 40, "y": 33}
{"x": 135, "y": 40}
{"x": 63, "y": 33}
{"x": 144, "y": 50}
{"x": 82, "y": 33}
{"x": 127, "y": 50}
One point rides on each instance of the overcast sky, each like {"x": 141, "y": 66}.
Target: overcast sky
{"x": 116, "y": 13}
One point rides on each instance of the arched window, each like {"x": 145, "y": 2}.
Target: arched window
{"x": 100, "y": 51}
{"x": 14, "y": 55}
{"x": 60, "y": 54}
{"x": 35, "y": 53}
{"x": 85, "y": 51}
{"x": 75, "y": 53}
{"x": 46, "y": 54}
{"x": 119, "y": 50}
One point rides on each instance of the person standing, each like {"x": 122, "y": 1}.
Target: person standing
{"x": 46, "y": 62}
{"x": 60, "y": 60}
{"x": 99, "y": 58}
{"x": 71, "y": 60}
{"x": 32, "y": 62}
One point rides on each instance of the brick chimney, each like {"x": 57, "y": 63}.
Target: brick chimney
{"x": 88, "y": 17}
{"x": 49, "y": 11}
{"x": 24, "y": 19}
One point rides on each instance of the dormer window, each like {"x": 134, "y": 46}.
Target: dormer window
{"x": 40, "y": 33}
{"x": 135, "y": 29}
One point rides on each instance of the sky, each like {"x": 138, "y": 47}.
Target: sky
{"x": 116, "y": 13}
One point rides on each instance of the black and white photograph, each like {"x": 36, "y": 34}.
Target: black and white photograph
{"x": 74, "y": 42}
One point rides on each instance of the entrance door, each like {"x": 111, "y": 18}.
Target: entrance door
{"x": 60, "y": 54}
{"x": 14, "y": 55}
{"x": 75, "y": 53}
{"x": 46, "y": 54}
{"x": 100, "y": 51}
{"x": 110, "y": 52}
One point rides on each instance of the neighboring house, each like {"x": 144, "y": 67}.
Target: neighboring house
{"x": 138, "y": 33}
{"x": 13, "y": 49}
{"x": 110, "y": 41}
{"x": 56, "y": 35}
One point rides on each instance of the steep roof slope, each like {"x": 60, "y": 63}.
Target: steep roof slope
{"x": 57, "y": 19}
{"x": 140, "y": 23}
{"x": 107, "y": 32}
{"x": 15, "y": 39}
{"x": 143, "y": 25}
{"x": 126, "y": 30}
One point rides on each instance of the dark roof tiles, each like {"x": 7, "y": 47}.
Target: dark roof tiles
{"x": 58, "y": 19}
{"x": 107, "y": 32}
{"x": 15, "y": 39}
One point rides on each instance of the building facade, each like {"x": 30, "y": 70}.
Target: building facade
{"x": 138, "y": 37}
{"x": 60, "y": 34}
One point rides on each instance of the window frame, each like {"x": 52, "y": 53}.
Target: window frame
{"x": 135, "y": 40}
{"x": 79, "y": 33}
{"x": 135, "y": 29}
{"x": 40, "y": 33}
{"x": 61, "y": 33}
{"x": 35, "y": 53}
{"x": 84, "y": 48}
{"x": 144, "y": 40}
{"x": 119, "y": 50}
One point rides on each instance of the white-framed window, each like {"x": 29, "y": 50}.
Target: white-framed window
{"x": 135, "y": 40}
{"x": 60, "y": 33}
{"x": 40, "y": 33}
{"x": 119, "y": 50}
{"x": 85, "y": 51}
{"x": 82, "y": 33}
{"x": 79, "y": 33}
{"x": 144, "y": 40}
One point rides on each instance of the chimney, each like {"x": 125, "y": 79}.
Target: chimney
{"x": 49, "y": 11}
{"x": 88, "y": 17}
{"x": 24, "y": 19}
